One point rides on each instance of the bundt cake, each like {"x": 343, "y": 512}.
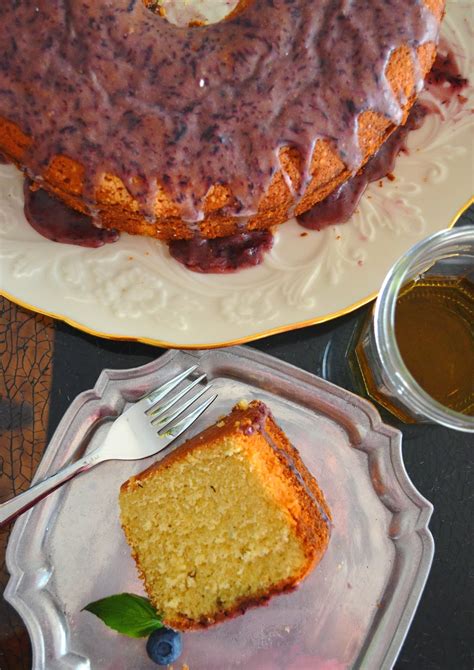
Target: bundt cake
{"x": 171, "y": 131}
{"x": 227, "y": 520}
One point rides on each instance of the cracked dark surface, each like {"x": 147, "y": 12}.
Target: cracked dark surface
{"x": 26, "y": 349}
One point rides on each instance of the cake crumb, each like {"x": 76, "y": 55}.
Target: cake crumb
{"x": 222, "y": 478}
{"x": 243, "y": 404}
{"x": 220, "y": 424}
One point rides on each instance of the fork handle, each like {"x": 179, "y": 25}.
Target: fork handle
{"x": 12, "y": 508}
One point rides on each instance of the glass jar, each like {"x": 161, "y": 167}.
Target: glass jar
{"x": 449, "y": 255}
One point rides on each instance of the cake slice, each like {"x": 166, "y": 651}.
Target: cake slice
{"x": 227, "y": 520}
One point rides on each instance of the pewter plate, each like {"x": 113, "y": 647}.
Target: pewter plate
{"x": 353, "y": 611}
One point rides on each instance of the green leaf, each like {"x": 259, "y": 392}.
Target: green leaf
{"x": 127, "y": 614}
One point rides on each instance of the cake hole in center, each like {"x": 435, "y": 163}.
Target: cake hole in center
{"x": 195, "y": 12}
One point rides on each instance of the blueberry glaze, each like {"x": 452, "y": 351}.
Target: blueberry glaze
{"x": 223, "y": 254}
{"x": 340, "y": 205}
{"x": 58, "y": 222}
{"x": 443, "y": 81}
{"x": 119, "y": 89}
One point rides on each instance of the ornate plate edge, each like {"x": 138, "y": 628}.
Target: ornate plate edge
{"x": 426, "y": 559}
{"x": 390, "y": 458}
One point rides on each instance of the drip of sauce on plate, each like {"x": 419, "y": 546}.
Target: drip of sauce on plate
{"x": 58, "y": 222}
{"x": 340, "y": 205}
{"x": 222, "y": 254}
{"x": 443, "y": 81}
{"x": 445, "y": 71}
{"x": 152, "y": 102}
{"x": 53, "y": 219}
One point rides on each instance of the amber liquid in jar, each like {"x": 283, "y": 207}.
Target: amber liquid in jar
{"x": 434, "y": 330}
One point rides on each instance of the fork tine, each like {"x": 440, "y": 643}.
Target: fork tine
{"x": 167, "y": 419}
{"x": 186, "y": 421}
{"x": 157, "y": 410}
{"x": 157, "y": 394}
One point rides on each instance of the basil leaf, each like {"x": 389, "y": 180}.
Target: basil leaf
{"x": 127, "y": 614}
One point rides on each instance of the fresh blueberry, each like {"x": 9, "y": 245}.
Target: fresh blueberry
{"x": 164, "y": 646}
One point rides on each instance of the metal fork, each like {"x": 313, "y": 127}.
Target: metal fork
{"x": 132, "y": 436}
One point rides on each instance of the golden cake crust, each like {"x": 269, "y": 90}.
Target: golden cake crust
{"x": 313, "y": 530}
{"x": 116, "y": 208}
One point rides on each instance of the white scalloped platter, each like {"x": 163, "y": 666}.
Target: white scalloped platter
{"x": 133, "y": 289}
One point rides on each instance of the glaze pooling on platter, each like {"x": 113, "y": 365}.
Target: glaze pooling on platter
{"x": 340, "y": 205}
{"x": 222, "y": 254}
{"x": 443, "y": 81}
{"x": 278, "y": 74}
{"x": 59, "y": 223}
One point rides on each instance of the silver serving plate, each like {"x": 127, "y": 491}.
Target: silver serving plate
{"x": 353, "y": 611}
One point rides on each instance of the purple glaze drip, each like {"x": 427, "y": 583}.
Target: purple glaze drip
{"x": 445, "y": 70}
{"x": 340, "y": 205}
{"x": 143, "y": 99}
{"x": 59, "y": 223}
{"x": 223, "y": 254}
{"x": 444, "y": 80}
